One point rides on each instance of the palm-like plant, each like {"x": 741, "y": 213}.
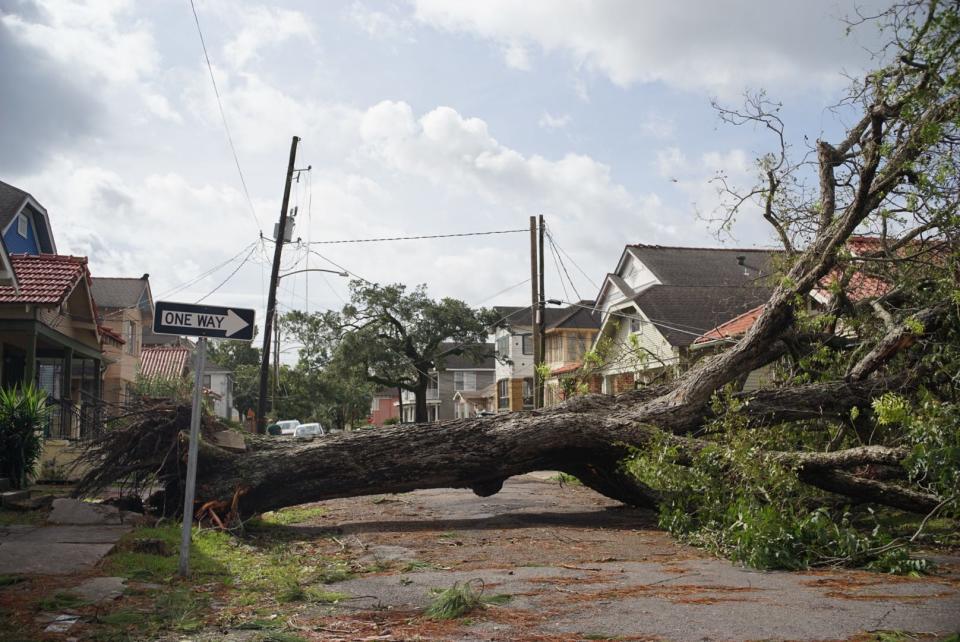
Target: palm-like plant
{"x": 23, "y": 412}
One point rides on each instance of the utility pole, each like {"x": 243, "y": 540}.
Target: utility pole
{"x": 272, "y": 297}
{"x": 535, "y": 314}
{"x": 541, "y": 315}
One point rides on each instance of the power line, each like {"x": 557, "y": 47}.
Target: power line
{"x": 562, "y": 251}
{"x": 504, "y": 290}
{"x": 223, "y": 118}
{"x": 654, "y": 322}
{"x": 553, "y": 254}
{"x": 206, "y": 273}
{"x": 415, "y": 238}
{"x": 229, "y": 276}
{"x": 337, "y": 265}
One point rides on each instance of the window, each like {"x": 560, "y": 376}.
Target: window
{"x": 528, "y": 344}
{"x": 131, "y": 336}
{"x": 206, "y": 381}
{"x": 433, "y": 389}
{"x": 503, "y": 393}
{"x": 634, "y": 324}
{"x": 528, "y": 393}
{"x": 464, "y": 380}
{"x": 503, "y": 346}
{"x": 576, "y": 346}
{"x": 23, "y": 226}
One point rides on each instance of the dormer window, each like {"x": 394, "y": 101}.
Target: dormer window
{"x": 23, "y": 226}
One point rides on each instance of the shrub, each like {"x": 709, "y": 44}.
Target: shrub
{"x": 23, "y": 412}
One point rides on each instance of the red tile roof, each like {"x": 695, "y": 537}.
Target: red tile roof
{"x": 166, "y": 362}
{"x": 565, "y": 368}
{"x": 733, "y": 328}
{"x": 110, "y": 334}
{"x": 46, "y": 279}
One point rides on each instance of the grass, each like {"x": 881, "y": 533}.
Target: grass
{"x": 325, "y": 597}
{"x": 280, "y": 636}
{"x": 416, "y": 565}
{"x": 59, "y": 601}
{"x": 292, "y": 515}
{"x": 564, "y": 478}
{"x": 21, "y": 518}
{"x": 10, "y": 580}
{"x": 454, "y": 602}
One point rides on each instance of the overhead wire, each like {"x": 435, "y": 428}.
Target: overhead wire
{"x": 416, "y": 238}
{"x": 553, "y": 253}
{"x": 575, "y": 264}
{"x": 229, "y": 276}
{"x": 223, "y": 118}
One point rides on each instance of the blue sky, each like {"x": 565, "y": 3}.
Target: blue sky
{"x": 418, "y": 117}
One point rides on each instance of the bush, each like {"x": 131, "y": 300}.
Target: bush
{"x": 23, "y": 412}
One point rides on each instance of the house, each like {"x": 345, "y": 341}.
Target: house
{"x": 126, "y": 308}
{"x": 568, "y": 334}
{"x": 384, "y": 405}
{"x": 49, "y": 336}
{"x": 659, "y": 300}
{"x": 218, "y": 386}
{"x": 513, "y": 341}
{"x": 166, "y": 366}
{"x": 455, "y": 386}
{"x": 24, "y": 224}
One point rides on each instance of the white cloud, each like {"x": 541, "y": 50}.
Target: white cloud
{"x": 657, "y": 126}
{"x": 261, "y": 27}
{"x": 95, "y": 39}
{"x": 380, "y": 24}
{"x": 516, "y": 56}
{"x": 718, "y": 47}
{"x": 549, "y": 121}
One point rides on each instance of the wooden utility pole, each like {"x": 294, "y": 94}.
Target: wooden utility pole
{"x": 541, "y": 314}
{"x": 272, "y": 296}
{"x": 535, "y": 313}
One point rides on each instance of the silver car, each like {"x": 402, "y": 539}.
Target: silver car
{"x": 308, "y": 431}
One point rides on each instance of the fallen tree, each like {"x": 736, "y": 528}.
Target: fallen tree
{"x": 831, "y": 424}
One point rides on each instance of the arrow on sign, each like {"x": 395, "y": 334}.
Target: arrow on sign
{"x": 233, "y": 323}
{"x": 203, "y": 321}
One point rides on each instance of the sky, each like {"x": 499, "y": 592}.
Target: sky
{"x": 416, "y": 118}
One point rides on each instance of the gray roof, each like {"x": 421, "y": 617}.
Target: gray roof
{"x": 11, "y": 200}
{"x": 682, "y": 313}
{"x": 465, "y": 361}
{"x": 700, "y": 288}
{"x": 120, "y": 292}
{"x": 579, "y": 315}
{"x": 706, "y": 266}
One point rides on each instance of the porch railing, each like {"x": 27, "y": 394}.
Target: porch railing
{"x": 74, "y": 421}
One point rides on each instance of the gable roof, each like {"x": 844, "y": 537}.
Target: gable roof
{"x": 466, "y": 361}
{"x": 167, "y": 362}
{"x": 122, "y": 292}
{"x": 45, "y": 279}
{"x": 683, "y": 313}
{"x": 735, "y": 327}
{"x": 705, "y": 266}
{"x": 12, "y": 202}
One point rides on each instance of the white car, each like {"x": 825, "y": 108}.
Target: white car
{"x": 288, "y": 426}
{"x": 308, "y": 431}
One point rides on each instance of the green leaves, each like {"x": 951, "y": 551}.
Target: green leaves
{"x": 23, "y": 413}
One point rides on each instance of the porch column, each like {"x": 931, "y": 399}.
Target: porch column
{"x": 98, "y": 379}
{"x": 30, "y": 362}
{"x": 66, "y": 403}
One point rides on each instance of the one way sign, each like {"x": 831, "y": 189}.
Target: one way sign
{"x": 203, "y": 321}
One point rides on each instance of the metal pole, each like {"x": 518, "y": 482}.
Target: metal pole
{"x": 272, "y": 296}
{"x": 191, "y": 488}
{"x": 534, "y": 308}
{"x": 541, "y": 314}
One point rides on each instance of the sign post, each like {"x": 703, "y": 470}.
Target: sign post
{"x": 191, "y": 487}
{"x": 198, "y": 321}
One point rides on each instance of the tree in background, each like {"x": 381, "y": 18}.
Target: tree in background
{"x": 243, "y": 359}
{"x": 390, "y": 337}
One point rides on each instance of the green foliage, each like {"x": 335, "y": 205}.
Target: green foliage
{"x": 60, "y": 600}
{"x": 178, "y": 389}
{"x": 23, "y": 413}
{"x": 454, "y": 602}
{"x": 292, "y": 515}
{"x": 733, "y": 501}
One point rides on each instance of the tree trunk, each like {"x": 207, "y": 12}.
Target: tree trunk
{"x": 420, "y": 414}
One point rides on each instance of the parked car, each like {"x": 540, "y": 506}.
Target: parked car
{"x": 308, "y": 431}
{"x": 286, "y": 427}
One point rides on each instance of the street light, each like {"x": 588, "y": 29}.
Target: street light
{"x": 265, "y": 357}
